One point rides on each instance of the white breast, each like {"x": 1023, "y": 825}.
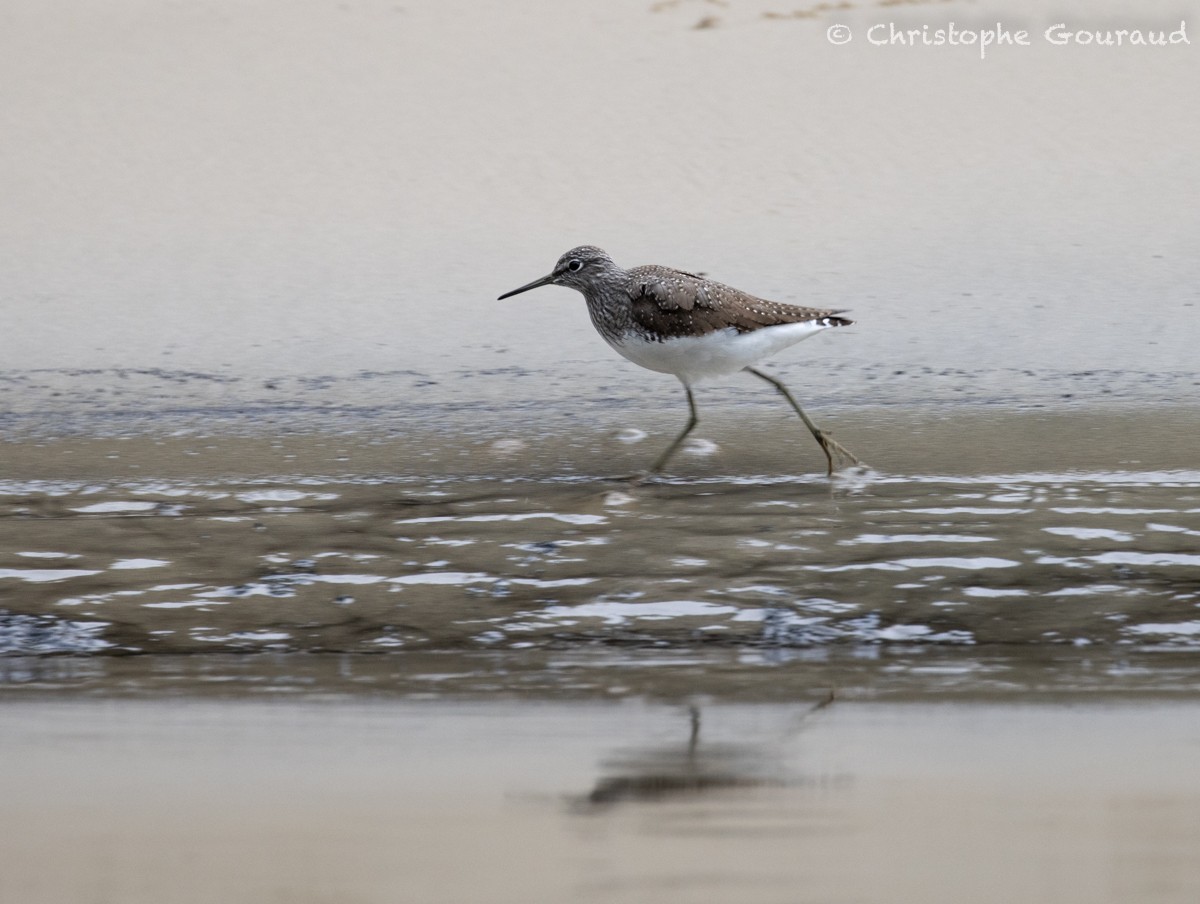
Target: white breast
{"x": 714, "y": 354}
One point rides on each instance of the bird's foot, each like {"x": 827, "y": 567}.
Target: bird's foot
{"x": 836, "y": 451}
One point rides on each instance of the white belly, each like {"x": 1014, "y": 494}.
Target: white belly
{"x": 715, "y": 354}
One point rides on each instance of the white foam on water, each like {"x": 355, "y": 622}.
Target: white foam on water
{"x": 283, "y": 496}
{"x": 185, "y": 605}
{"x": 121, "y": 564}
{"x": 1185, "y": 628}
{"x": 1090, "y": 590}
{"x": 990, "y": 593}
{"x": 618, "y": 613}
{"x": 962, "y": 510}
{"x": 1109, "y": 510}
{"x": 1145, "y": 558}
{"x": 240, "y": 636}
{"x": 561, "y": 582}
{"x": 100, "y": 508}
{"x": 444, "y": 577}
{"x": 915, "y": 538}
{"x": 980, "y": 563}
{"x": 44, "y": 575}
{"x": 1090, "y": 533}
{"x": 337, "y": 578}
{"x": 524, "y": 516}
{"x": 1172, "y": 528}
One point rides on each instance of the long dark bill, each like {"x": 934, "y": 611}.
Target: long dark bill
{"x": 544, "y": 281}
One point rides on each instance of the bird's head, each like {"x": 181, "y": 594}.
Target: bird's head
{"x": 580, "y": 269}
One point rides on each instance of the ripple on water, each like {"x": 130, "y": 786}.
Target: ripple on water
{"x": 1108, "y": 558}
{"x": 48, "y": 634}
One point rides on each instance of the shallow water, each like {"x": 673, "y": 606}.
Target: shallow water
{"x": 139, "y": 801}
{"x": 371, "y": 563}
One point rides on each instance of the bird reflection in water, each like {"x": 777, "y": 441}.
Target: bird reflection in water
{"x": 669, "y": 773}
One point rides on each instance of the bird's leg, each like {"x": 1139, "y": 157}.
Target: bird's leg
{"x": 693, "y": 420}
{"x": 828, "y": 445}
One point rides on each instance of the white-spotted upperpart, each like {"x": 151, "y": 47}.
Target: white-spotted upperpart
{"x": 715, "y": 354}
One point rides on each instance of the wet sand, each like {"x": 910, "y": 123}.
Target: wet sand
{"x": 540, "y": 802}
{"x": 749, "y": 440}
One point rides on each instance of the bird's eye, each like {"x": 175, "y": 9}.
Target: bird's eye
{"x": 575, "y": 265}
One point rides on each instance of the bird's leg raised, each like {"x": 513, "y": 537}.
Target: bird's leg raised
{"x": 828, "y": 444}
{"x": 693, "y": 420}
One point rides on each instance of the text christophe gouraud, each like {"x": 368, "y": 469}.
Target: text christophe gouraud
{"x": 985, "y": 38}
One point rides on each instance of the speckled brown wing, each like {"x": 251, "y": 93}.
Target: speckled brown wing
{"x": 670, "y": 303}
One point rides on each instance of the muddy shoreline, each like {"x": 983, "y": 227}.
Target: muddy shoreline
{"x": 916, "y": 440}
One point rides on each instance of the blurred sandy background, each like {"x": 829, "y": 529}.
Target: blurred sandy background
{"x": 257, "y": 192}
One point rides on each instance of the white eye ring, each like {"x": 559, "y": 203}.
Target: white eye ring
{"x": 575, "y": 266}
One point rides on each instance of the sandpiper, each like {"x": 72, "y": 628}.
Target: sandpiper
{"x": 684, "y": 324}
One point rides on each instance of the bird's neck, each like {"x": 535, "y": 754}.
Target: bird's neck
{"x": 610, "y": 313}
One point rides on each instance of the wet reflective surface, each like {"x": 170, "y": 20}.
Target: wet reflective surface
{"x": 373, "y": 564}
{"x": 311, "y": 802}
{"x": 352, "y": 668}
